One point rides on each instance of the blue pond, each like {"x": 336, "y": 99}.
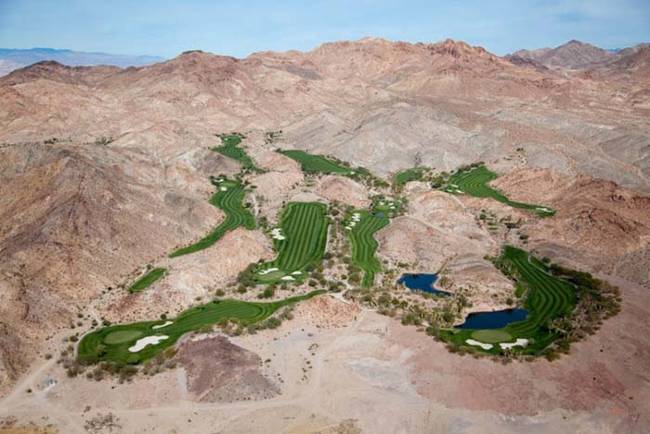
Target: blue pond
{"x": 493, "y": 320}
{"x": 421, "y": 282}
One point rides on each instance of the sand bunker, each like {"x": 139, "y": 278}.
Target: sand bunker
{"x": 521, "y": 342}
{"x": 479, "y": 344}
{"x": 159, "y": 326}
{"x": 149, "y": 340}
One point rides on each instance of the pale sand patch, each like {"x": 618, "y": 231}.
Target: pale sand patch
{"x": 149, "y": 340}
{"x": 520, "y": 342}
{"x": 267, "y": 271}
{"x": 287, "y": 278}
{"x": 479, "y": 344}
{"x": 159, "y": 326}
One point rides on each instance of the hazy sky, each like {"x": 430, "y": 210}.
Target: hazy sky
{"x": 166, "y": 28}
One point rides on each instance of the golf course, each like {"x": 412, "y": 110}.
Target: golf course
{"x": 299, "y": 241}
{"x": 140, "y": 341}
{"x": 311, "y": 163}
{"x": 229, "y": 197}
{"x": 404, "y": 176}
{"x": 474, "y": 182}
{"x": 546, "y": 298}
{"x": 148, "y": 279}
{"x": 361, "y": 227}
{"x": 230, "y": 148}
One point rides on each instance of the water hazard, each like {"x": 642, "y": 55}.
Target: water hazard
{"x": 421, "y": 282}
{"x": 493, "y": 320}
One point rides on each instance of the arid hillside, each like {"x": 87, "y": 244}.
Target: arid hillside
{"x": 104, "y": 171}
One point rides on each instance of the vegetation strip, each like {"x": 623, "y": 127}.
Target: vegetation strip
{"x": 230, "y": 148}
{"x": 118, "y": 343}
{"x": 148, "y": 279}
{"x": 229, "y": 197}
{"x": 300, "y": 242}
{"x": 474, "y": 181}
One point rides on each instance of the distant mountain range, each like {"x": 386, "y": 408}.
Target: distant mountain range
{"x": 572, "y": 55}
{"x": 11, "y": 59}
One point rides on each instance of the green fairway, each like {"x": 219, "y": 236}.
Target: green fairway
{"x": 229, "y": 197}
{"x": 474, "y": 181}
{"x": 547, "y": 298}
{"x": 148, "y": 279}
{"x": 112, "y": 343}
{"x": 300, "y": 242}
{"x": 404, "y": 176}
{"x": 230, "y": 148}
{"x": 361, "y": 226}
{"x": 311, "y": 163}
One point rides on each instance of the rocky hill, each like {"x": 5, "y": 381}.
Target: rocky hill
{"x": 573, "y": 55}
{"x": 105, "y": 169}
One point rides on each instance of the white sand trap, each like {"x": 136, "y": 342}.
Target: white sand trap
{"x": 518, "y": 343}
{"x": 159, "y": 326}
{"x": 287, "y": 278}
{"x": 479, "y": 344}
{"x": 267, "y": 271}
{"x": 223, "y": 188}
{"x": 149, "y": 340}
{"x": 348, "y": 228}
{"x": 277, "y": 234}
{"x": 295, "y": 273}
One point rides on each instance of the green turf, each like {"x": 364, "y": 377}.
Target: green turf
{"x": 111, "y": 343}
{"x": 492, "y": 336}
{"x": 230, "y": 148}
{"x": 474, "y": 181}
{"x": 404, "y": 176}
{"x": 148, "y": 279}
{"x": 548, "y": 297}
{"x": 304, "y": 228}
{"x": 361, "y": 232}
{"x": 122, "y": 336}
{"x": 386, "y": 206}
{"x": 311, "y": 163}
{"x": 230, "y": 201}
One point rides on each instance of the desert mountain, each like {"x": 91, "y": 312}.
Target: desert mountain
{"x": 104, "y": 170}
{"x": 11, "y": 59}
{"x": 573, "y": 55}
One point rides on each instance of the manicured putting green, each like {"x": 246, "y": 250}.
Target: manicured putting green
{"x": 361, "y": 226}
{"x": 112, "y": 343}
{"x": 148, "y": 279}
{"x": 491, "y": 336}
{"x": 300, "y": 242}
{"x": 230, "y": 148}
{"x": 548, "y": 297}
{"x": 229, "y": 197}
{"x": 474, "y": 181}
{"x": 122, "y": 336}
